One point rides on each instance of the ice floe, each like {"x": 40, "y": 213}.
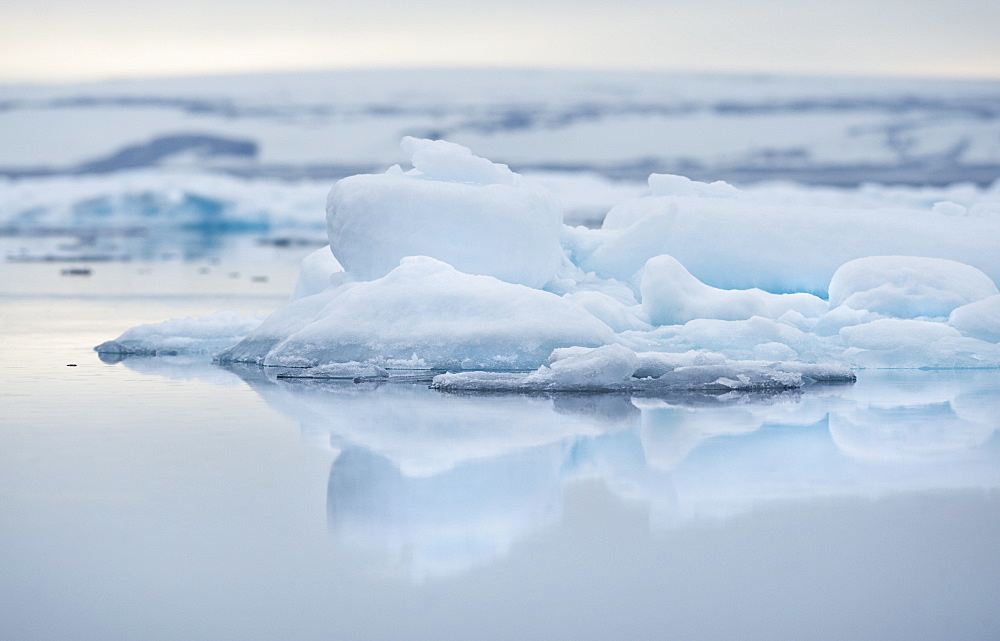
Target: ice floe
{"x": 462, "y": 268}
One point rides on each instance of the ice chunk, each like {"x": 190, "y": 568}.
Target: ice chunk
{"x": 892, "y": 333}
{"x": 353, "y": 371}
{"x": 424, "y": 309}
{"x": 908, "y": 286}
{"x": 753, "y": 339}
{"x": 614, "y": 368}
{"x": 672, "y": 296}
{"x": 316, "y": 272}
{"x": 202, "y": 335}
{"x": 442, "y": 160}
{"x": 980, "y": 319}
{"x": 456, "y": 207}
{"x": 756, "y": 240}
{"x": 599, "y": 368}
{"x": 656, "y": 364}
{"x": 280, "y": 325}
{"x": 671, "y": 185}
{"x": 894, "y": 342}
{"x": 618, "y": 316}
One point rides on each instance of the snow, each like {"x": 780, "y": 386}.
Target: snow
{"x": 672, "y": 296}
{"x": 773, "y": 240}
{"x": 317, "y": 272}
{"x": 423, "y": 312}
{"x": 894, "y": 342}
{"x": 202, "y": 335}
{"x": 461, "y": 264}
{"x": 617, "y": 368}
{"x": 908, "y": 286}
{"x": 980, "y": 319}
{"x": 476, "y": 216}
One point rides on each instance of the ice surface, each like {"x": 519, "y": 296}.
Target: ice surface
{"x": 617, "y": 368}
{"x": 203, "y": 335}
{"x": 908, "y": 286}
{"x": 775, "y": 239}
{"x": 460, "y": 264}
{"x": 980, "y": 319}
{"x": 316, "y": 273}
{"x": 672, "y": 296}
{"x": 426, "y": 313}
{"x": 894, "y": 342}
{"x": 476, "y": 216}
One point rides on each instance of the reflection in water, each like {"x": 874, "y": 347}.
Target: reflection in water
{"x": 435, "y": 484}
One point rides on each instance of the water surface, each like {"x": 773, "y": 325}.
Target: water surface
{"x": 173, "y": 499}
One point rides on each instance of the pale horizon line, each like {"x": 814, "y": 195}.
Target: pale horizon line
{"x": 126, "y": 77}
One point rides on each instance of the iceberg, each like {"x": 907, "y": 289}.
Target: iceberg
{"x": 464, "y": 270}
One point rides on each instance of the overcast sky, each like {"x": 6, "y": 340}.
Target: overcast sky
{"x": 59, "y": 40}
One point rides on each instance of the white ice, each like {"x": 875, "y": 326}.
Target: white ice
{"x": 202, "y": 335}
{"x": 479, "y": 217}
{"x": 461, "y": 264}
{"x": 427, "y": 314}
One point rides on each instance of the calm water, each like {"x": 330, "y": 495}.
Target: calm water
{"x": 171, "y": 499}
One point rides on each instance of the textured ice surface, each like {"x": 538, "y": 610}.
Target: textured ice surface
{"x": 316, "y": 273}
{"x": 774, "y": 239}
{"x": 203, "y": 335}
{"x": 464, "y": 210}
{"x": 461, "y": 264}
{"x": 980, "y": 319}
{"x": 428, "y": 313}
{"x": 672, "y": 296}
{"x": 617, "y": 368}
{"x": 908, "y": 286}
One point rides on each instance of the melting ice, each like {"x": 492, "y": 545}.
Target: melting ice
{"x": 460, "y": 264}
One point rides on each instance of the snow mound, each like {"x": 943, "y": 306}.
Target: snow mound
{"x": 980, "y": 319}
{"x": 458, "y": 208}
{"x": 760, "y": 239}
{"x": 424, "y": 312}
{"x": 908, "y": 286}
{"x": 316, "y": 273}
{"x": 202, "y": 335}
{"x": 895, "y": 342}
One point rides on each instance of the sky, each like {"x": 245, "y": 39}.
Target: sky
{"x": 60, "y": 40}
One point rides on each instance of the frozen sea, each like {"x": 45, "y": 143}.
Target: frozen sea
{"x": 174, "y": 499}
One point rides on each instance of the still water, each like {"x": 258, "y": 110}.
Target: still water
{"x": 173, "y": 499}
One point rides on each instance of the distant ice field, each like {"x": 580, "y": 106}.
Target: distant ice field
{"x": 739, "y": 128}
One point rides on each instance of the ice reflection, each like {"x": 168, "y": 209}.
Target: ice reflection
{"x": 431, "y": 485}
